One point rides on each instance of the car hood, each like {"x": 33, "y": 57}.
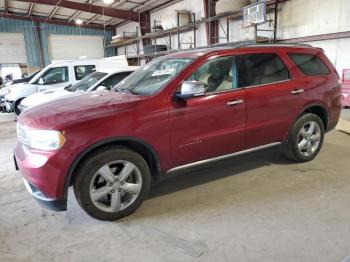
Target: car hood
{"x": 83, "y": 106}
{"x": 4, "y": 91}
{"x": 44, "y": 97}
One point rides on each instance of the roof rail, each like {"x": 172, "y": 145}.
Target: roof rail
{"x": 275, "y": 44}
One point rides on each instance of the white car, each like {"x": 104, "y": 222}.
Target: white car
{"x": 95, "y": 81}
{"x": 58, "y": 75}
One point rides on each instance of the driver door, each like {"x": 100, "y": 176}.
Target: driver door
{"x": 213, "y": 124}
{"x": 54, "y": 78}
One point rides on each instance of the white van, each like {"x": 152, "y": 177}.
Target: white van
{"x": 99, "y": 80}
{"x": 60, "y": 74}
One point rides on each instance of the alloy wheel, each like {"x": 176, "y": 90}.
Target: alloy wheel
{"x": 115, "y": 186}
{"x": 309, "y": 138}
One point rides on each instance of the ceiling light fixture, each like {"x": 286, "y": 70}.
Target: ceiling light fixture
{"x": 108, "y": 1}
{"x": 78, "y": 21}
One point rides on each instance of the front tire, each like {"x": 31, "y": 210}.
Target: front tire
{"x": 16, "y": 107}
{"x": 112, "y": 183}
{"x": 305, "y": 139}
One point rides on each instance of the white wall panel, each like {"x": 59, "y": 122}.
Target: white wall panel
{"x": 300, "y": 18}
{"x": 75, "y": 46}
{"x": 12, "y": 48}
{"x": 337, "y": 51}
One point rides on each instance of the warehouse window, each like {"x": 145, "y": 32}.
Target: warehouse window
{"x": 310, "y": 65}
{"x": 83, "y": 70}
{"x": 261, "y": 69}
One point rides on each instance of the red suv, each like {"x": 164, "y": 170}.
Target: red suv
{"x": 178, "y": 111}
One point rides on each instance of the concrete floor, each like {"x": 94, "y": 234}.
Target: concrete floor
{"x": 345, "y": 114}
{"x": 256, "y": 207}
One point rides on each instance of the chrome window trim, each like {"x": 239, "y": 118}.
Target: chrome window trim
{"x": 223, "y": 91}
{"x": 278, "y": 82}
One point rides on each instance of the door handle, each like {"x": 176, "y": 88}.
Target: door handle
{"x": 235, "y": 102}
{"x": 297, "y": 91}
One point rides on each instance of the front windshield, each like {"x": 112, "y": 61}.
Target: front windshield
{"x": 39, "y": 74}
{"x": 153, "y": 76}
{"x": 87, "y": 82}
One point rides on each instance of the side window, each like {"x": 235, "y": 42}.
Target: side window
{"x": 218, "y": 74}
{"x": 261, "y": 69}
{"x": 114, "y": 79}
{"x": 83, "y": 70}
{"x": 56, "y": 75}
{"x": 310, "y": 65}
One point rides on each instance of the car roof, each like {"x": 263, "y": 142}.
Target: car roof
{"x": 195, "y": 53}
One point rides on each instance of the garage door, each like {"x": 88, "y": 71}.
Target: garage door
{"x": 75, "y": 46}
{"x": 12, "y": 48}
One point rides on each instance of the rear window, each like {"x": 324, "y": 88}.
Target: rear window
{"x": 83, "y": 70}
{"x": 310, "y": 65}
{"x": 261, "y": 69}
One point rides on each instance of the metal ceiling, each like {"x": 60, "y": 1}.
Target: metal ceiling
{"x": 93, "y": 13}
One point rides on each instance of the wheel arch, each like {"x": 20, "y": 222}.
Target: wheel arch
{"x": 319, "y": 110}
{"x": 137, "y": 145}
{"x": 315, "y": 108}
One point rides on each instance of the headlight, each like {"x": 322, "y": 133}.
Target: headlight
{"x": 46, "y": 140}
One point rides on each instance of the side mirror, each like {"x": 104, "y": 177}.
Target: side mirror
{"x": 102, "y": 88}
{"x": 41, "y": 81}
{"x": 191, "y": 89}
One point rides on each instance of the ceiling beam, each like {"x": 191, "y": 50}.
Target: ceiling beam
{"x": 146, "y": 4}
{"x": 77, "y": 13}
{"x": 30, "y": 9}
{"x": 6, "y": 4}
{"x": 52, "y": 21}
{"x": 113, "y": 20}
{"x": 112, "y": 5}
{"x": 92, "y": 19}
{"x": 53, "y": 12}
{"x": 74, "y": 16}
{"x": 90, "y": 8}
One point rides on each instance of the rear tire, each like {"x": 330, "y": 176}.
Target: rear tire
{"x": 306, "y": 138}
{"x": 112, "y": 183}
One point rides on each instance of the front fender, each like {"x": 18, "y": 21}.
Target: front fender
{"x": 18, "y": 92}
{"x": 102, "y": 143}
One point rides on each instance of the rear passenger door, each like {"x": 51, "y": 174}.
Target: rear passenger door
{"x": 271, "y": 102}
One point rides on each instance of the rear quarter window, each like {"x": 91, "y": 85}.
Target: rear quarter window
{"x": 310, "y": 65}
{"x": 81, "y": 71}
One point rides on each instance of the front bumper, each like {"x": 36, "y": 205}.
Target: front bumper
{"x": 10, "y": 106}
{"x": 49, "y": 203}
{"x": 43, "y": 175}
{"x": 2, "y": 104}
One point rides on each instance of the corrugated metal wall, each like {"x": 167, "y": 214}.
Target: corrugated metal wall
{"x": 28, "y": 29}
{"x": 31, "y": 38}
